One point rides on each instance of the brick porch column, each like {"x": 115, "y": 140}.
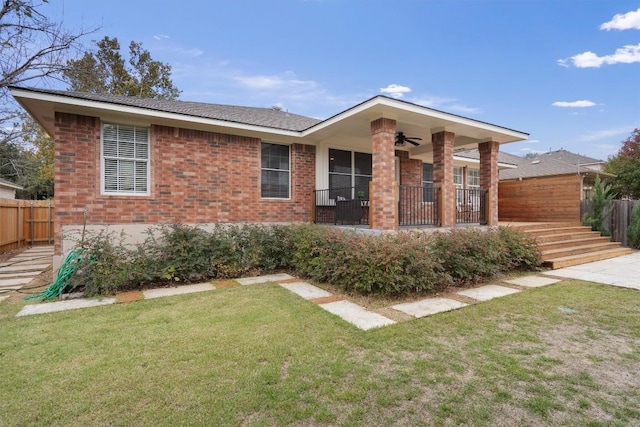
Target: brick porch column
{"x": 489, "y": 178}
{"x": 383, "y": 189}
{"x": 443, "y": 175}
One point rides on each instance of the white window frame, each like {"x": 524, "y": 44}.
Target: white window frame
{"x": 103, "y": 158}
{"x": 471, "y": 173}
{"x": 278, "y": 170}
{"x": 461, "y": 175}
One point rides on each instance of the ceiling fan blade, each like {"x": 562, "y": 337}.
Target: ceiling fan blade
{"x": 414, "y": 137}
{"x": 413, "y": 142}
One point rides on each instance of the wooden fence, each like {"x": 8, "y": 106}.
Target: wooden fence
{"x": 25, "y": 223}
{"x": 619, "y": 219}
{"x": 544, "y": 199}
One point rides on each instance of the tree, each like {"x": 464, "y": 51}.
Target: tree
{"x": 626, "y": 167}
{"x": 106, "y": 71}
{"x": 600, "y": 207}
{"x": 633, "y": 231}
{"x": 34, "y": 49}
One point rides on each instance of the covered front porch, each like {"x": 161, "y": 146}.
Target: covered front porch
{"x": 417, "y": 206}
{"x": 388, "y": 163}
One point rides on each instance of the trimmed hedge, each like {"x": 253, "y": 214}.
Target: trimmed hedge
{"x": 386, "y": 264}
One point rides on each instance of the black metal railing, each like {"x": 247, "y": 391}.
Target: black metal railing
{"x": 345, "y": 206}
{"x": 471, "y": 206}
{"x": 418, "y": 205}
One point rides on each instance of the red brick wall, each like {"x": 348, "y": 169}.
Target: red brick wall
{"x": 384, "y": 205}
{"x": 489, "y": 177}
{"x": 195, "y": 177}
{"x": 410, "y": 169}
{"x": 443, "y": 175}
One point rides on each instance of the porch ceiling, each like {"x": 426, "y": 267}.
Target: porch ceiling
{"x": 353, "y": 126}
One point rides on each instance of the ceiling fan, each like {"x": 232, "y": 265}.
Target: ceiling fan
{"x": 402, "y": 139}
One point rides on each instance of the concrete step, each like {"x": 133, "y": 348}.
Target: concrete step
{"x": 560, "y": 244}
{"x": 577, "y": 249}
{"x": 568, "y": 261}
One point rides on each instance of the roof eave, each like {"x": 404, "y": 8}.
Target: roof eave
{"x": 70, "y": 104}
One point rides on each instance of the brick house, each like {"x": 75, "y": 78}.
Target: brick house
{"x": 132, "y": 162}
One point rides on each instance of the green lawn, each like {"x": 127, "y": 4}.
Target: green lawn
{"x": 260, "y": 355}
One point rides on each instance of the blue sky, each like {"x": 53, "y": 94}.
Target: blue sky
{"x": 566, "y": 72}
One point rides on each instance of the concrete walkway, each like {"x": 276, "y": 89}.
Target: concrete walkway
{"x": 623, "y": 271}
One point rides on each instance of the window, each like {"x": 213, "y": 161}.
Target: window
{"x": 275, "y": 171}
{"x": 125, "y": 160}
{"x": 458, "y": 177}
{"x": 427, "y": 182}
{"x": 473, "y": 178}
{"x": 348, "y": 169}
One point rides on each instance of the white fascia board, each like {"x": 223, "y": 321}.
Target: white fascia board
{"x": 145, "y": 112}
{"x": 418, "y": 109}
{"x": 11, "y": 185}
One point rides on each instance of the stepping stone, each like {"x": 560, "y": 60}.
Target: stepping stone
{"x": 264, "y": 279}
{"x": 4, "y": 297}
{"x": 25, "y": 274}
{"x": 429, "y": 306}
{"x": 22, "y": 262}
{"x": 306, "y": 290}
{"x": 40, "y": 248}
{"x": 357, "y": 315}
{"x": 180, "y": 290}
{"x": 485, "y": 293}
{"x": 52, "y": 307}
{"x": 532, "y": 281}
{"x": 15, "y": 282}
{"x": 19, "y": 268}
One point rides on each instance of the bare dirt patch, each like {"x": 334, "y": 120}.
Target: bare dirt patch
{"x": 130, "y": 296}
{"x": 325, "y": 300}
{"x": 225, "y": 284}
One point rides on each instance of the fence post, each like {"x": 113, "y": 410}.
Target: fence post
{"x": 18, "y": 228}
{"x": 33, "y": 230}
{"x": 49, "y": 223}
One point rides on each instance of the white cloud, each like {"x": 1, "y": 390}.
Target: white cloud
{"x": 448, "y": 104}
{"x": 628, "y": 21}
{"x": 531, "y": 141}
{"x": 160, "y": 36}
{"x": 624, "y": 55}
{"x": 395, "y": 91}
{"x": 603, "y": 134}
{"x": 287, "y": 81}
{"x": 574, "y": 104}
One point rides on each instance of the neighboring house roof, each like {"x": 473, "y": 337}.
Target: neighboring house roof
{"x": 569, "y": 157}
{"x": 504, "y": 159}
{"x": 8, "y": 184}
{"x": 351, "y": 125}
{"x": 554, "y": 163}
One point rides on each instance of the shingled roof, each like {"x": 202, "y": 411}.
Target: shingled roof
{"x": 266, "y": 117}
{"x": 559, "y": 162}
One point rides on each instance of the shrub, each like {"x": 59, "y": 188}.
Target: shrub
{"x": 387, "y": 264}
{"x": 600, "y": 207}
{"x": 633, "y": 232}
{"x": 521, "y": 250}
{"x": 104, "y": 266}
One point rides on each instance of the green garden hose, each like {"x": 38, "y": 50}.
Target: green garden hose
{"x": 67, "y": 269}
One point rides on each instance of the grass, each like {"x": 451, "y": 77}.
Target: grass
{"x": 262, "y": 356}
